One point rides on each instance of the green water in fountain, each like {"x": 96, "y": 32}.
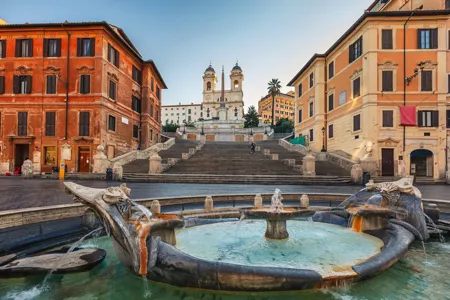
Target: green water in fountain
{"x": 313, "y": 246}
{"x": 416, "y": 276}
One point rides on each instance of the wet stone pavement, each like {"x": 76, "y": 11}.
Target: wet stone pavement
{"x": 17, "y": 193}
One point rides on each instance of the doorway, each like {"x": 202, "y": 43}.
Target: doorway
{"x": 21, "y": 153}
{"x": 387, "y": 162}
{"x": 422, "y": 163}
{"x": 84, "y": 157}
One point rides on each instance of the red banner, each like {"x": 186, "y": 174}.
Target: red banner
{"x": 408, "y": 116}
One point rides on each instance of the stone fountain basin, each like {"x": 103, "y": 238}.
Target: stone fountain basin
{"x": 287, "y": 213}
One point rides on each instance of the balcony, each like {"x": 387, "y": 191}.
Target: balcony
{"x": 379, "y": 5}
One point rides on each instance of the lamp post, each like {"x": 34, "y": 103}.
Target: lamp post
{"x": 251, "y": 130}
{"x": 323, "y": 140}
{"x": 203, "y": 131}
{"x": 184, "y": 128}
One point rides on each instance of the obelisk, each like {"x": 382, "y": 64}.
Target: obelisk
{"x": 222, "y": 108}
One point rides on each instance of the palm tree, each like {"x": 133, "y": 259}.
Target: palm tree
{"x": 274, "y": 90}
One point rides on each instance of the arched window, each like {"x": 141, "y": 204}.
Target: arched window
{"x": 208, "y": 86}
{"x": 236, "y": 84}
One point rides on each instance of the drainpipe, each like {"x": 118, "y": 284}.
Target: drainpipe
{"x": 67, "y": 83}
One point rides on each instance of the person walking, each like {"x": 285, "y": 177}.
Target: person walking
{"x": 252, "y": 147}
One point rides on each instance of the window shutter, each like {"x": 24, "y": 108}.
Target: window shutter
{"x": 45, "y": 50}
{"x": 79, "y": 47}
{"x": 435, "y": 118}
{"x": 18, "y": 47}
{"x": 434, "y": 38}
{"x": 88, "y": 84}
{"x": 109, "y": 52}
{"x": 3, "y": 45}
{"x": 420, "y": 118}
{"x": 2, "y": 84}
{"x": 49, "y": 84}
{"x": 117, "y": 62}
{"x": 29, "y": 83}
{"x": 350, "y": 55}
{"x": 448, "y": 83}
{"x": 419, "y": 44}
{"x": 448, "y": 118}
{"x": 58, "y": 48}
{"x": 16, "y": 84}
{"x": 92, "y": 47}
{"x": 30, "y": 47}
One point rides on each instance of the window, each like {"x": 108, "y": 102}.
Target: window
{"x": 388, "y": 118}
{"x": 427, "y": 81}
{"x": 135, "y": 131}
{"x": 24, "y": 48}
{"x": 85, "y": 84}
{"x": 331, "y": 102}
{"x": 50, "y": 156}
{"x": 151, "y": 110}
{"x": 448, "y": 118}
{"x": 22, "y": 84}
{"x": 112, "y": 90}
{"x": 386, "y": 39}
{"x": 311, "y": 80}
{"x": 157, "y": 115}
{"x": 311, "y": 135}
{"x": 50, "y": 123}
{"x": 111, "y": 123}
{"x": 330, "y": 131}
{"x": 152, "y": 84}
{"x": 151, "y": 134}
{"x": 355, "y": 50}
{"x": 52, "y": 47}
{"x": 356, "y": 122}
{"x": 189, "y": 118}
{"x": 447, "y": 4}
{"x": 387, "y": 79}
{"x": 311, "y": 108}
{"x": 357, "y": 87}
{"x": 2, "y": 48}
{"x": 427, "y": 38}
{"x": 113, "y": 55}
{"x": 428, "y": 118}
{"x": 137, "y": 75}
{"x": 189, "y": 111}
{"x": 208, "y": 86}
{"x": 158, "y": 92}
{"x": 84, "y": 123}
{"x": 22, "y": 123}
{"x": 448, "y": 83}
{"x": 342, "y": 98}
{"x": 331, "y": 70}
{"x": 51, "y": 84}
{"x": 2, "y": 85}
{"x": 300, "y": 90}
{"x": 85, "y": 47}
{"x": 136, "y": 104}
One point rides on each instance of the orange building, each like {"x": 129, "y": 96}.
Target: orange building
{"x": 349, "y": 98}
{"x": 67, "y": 88}
{"x": 284, "y": 107}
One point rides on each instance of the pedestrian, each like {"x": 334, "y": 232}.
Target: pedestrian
{"x": 252, "y": 147}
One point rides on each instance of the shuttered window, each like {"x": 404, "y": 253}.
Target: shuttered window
{"x": 300, "y": 90}
{"x": 331, "y": 102}
{"x": 428, "y": 118}
{"x": 112, "y": 123}
{"x": 427, "y": 38}
{"x": 52, "y": 47}
{"x": 22, "y": 84}
{"x": 112, "y": 90}
{"x": 386, "y": 39}
{"x": 135, "y": 131}
{"x": 151, "y": 110}
{"x": 113, "y": 56}
{"x": 387, "y": 81}
{"x": 388, "y": 118}
{"x": 448, "y": 118}
{"x": 24, "y": 48}
{"x": 84, "y": 123}
{"x": 2, "y": 48}
{"x": 331, "y": 70}
{"x": 427, "y": 81}
{"x": 311, "y": 135}
{"x": 356, "y": 123}
{"x": 355, "y": 50}
{"x": 448, "y": 83}
{"x": 158, "y": 92}
{"x": 136, "y": 104}
{"x": 152, "y": 84}
{"x": 85, "y": 84}
{"x": 311, "y": 80}
{"x": 330, "y": 131}
{"x": 51, "y": 84}
{"x": 2, "y": 85}
{"x": 137, "y": 75}
{"x": 85, "y": 47}
{"x": 22, "y": 123}
{"x": 300, "y": 116}
{"x": 311, "y": 108}
{"x": 357, "y": 87}
{"x": 50, "y": 123}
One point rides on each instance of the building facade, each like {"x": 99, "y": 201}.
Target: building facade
{"x": 67, "y": 88}
{"x": 284, "y": 108}
{"x": 351, "y": 99}
{"x": 179, "y": 114}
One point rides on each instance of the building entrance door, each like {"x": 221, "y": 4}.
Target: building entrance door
{"x": 84, "y": 156}
{"x": 21, "y": 153}
{"x": 387, "y": 162}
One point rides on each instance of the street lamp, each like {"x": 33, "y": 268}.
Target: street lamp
{"x": 323, "y": 140}
{"x": 184, "y": 128}
{"x": 203, "y": 131}
{"x": 251, "y": 130}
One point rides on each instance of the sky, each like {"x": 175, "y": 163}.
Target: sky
{"x": 269, "y": 39}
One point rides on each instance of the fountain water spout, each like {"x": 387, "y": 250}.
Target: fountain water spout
{"x": 277, "y": 204}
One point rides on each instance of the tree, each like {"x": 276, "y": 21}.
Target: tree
{"x": 170, "y": 127}
{"x": 284, "y": 125}
{"x": 274, "y": 90}
{"x": 251, "y": 118}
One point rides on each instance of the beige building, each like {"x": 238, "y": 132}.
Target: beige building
{"x": 355, "y": 92}
{"x": 178, "y": 114}
{"x": 284, "y": 107}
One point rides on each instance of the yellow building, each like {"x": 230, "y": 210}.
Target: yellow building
{"x": 349, "y": 99}
{"x": 284, "y": 107}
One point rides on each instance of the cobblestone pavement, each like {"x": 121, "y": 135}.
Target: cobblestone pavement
{"x": 17, "y": 193}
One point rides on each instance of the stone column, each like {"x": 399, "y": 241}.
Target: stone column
{"x": 356, "y": 173}
{"x": 101, "y": 161}
{"x": 155, "y": 166}
{"x": 304, "y": 201}
{"x": 209, "y": 203}
{"x": 309, "y": 165}
{"x": 258, "y": 201}
{"x": 155, "y": 207}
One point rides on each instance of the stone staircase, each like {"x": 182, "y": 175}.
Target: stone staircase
{"x": 141, "y": 166}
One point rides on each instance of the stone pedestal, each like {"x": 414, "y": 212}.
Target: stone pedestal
{"x": 155, "y": 207}
{"x": 257, "y": 149}
{"x": 155, "y": 166}
{"x": 172, "y": 161}
{"x": 309, "y": 165}
{"x": 118, "y": 172}
{"x": 304, "y": 201}
{"x": 276, "y": 230}
{"x": 274, "y": 156}
{"x": 191, "y": 151}
{"x": 101, "y": 161}
{"x": 356, "y": 173}
{"x": 370, "y": 164}
{"x": 266, "y": 151}
{"x": 258, "y": 201}
{"x": 222, "y": 114}
{"x": 27, "y": 169}
{"x": 198, "y": 147}
{"x": 209, "y": 203}
{"x": 185, "y": 156}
